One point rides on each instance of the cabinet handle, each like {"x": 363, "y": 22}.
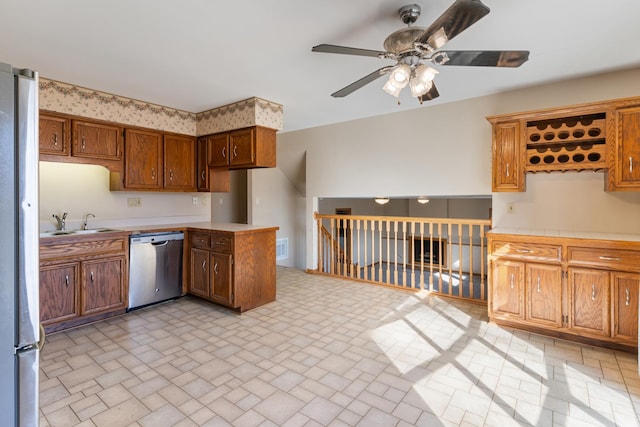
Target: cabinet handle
{"x": 626, "y": 292}
{"x": 170, "y": 174}
{"x": 593, "y": 292}
{"x": 202, "y": 175}
{"x": 224, "y": 152}
{"x": 215, "y": 268}
{"x": 153, "y": 173}
{"x": 66, "y": 282}
{"x": 83, "y": 143}
{"x": 507, "y": 169}
{"x": 204, "y": 266}
{"x": 235, "y": 154}
{"x": 55, "y": 140}
{"x": 91, "y": 274}
{"x": 609, "y": 258}
{"x": 525, "y": 251}
{"x": 630, "y": 164}
{"x": 511, "y": 280}
{"x": 538, "y": 284}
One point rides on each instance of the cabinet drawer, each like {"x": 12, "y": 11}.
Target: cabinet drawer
{"x": 82, "y": 248}
{"x": 615, "y": 259}
{"x": 527, "y": 251}
{"x": 201, "y": 241}
{"x": 221, "y": 243}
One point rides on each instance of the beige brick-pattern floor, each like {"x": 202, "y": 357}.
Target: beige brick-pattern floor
{"x": 329, "y": 352}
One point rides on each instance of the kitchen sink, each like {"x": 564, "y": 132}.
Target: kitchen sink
{"x": 76, "y": 232}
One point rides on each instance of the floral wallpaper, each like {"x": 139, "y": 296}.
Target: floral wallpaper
{"x": 65, "y": 98}
{"x": 250, "y": 112}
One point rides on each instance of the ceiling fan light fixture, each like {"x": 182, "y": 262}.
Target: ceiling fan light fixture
{"x": 425, "y": 73}
{"x": 391, "y": 88}
{"x": 400, "y": 75}
{"x": 419, "y": 87}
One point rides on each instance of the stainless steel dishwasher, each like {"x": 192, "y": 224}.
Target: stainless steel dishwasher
{"x": 155, "y": 267}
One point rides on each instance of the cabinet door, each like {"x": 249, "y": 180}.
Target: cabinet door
{"x": 219, "y": 149}
{"x": 179, "y": 163}
{"x": 54, "y": 135}
{"x": 143, "y": 160}
{"x": 544, "y": 294}
{"x": 221, "y": 280}
{"x": 102, "y": 285}
{"x": 58, "y": 293}
{"x": 507, "y": 173}
{"x": 589, "y": 303}
{"x": 241, "y": 144}
{"x": 625, "y": 306}
{"x": 507, "y": 288}
{"x": 96, "y": 140}
{"x": 202, "y": 174}
{"x": 199, "y": 283}
{"x": 627, "y": 150}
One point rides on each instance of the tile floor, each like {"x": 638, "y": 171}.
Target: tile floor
{"x": 329, "y": 352}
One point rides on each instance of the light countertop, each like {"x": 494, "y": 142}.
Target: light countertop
{"x": 567, "y": 234}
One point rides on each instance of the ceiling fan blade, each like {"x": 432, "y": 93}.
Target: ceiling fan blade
{"x": 485, "y": 58}
{"x": 362, "y": 82}
{"x": 331, "y": 48}
{"x": 432, "y": 94}
{"x": 461, "y": 15}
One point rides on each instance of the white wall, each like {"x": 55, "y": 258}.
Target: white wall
{"x": 446, "y": 150}
{"x": 274, "y": 201}
{"x": 231, "y": 206}
{"x": 80, "y": 189}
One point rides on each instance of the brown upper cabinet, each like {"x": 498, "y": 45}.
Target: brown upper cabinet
{"x": 602, "y": 136}
{"x": 179, "y": 163}
{"x": 156, "y": 161}
{"x": 247, "y": 148}
{"x": 507, "y": 173}
{"x": 218, "y": 149}
{"x": 626, "y": 151}
{"x": 96, "y": 140}
{"x": 143, "y": 160}
{"x": 55, "y": 135}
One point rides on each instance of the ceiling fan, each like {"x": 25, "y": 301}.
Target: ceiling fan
{"x": 411, "y": 47}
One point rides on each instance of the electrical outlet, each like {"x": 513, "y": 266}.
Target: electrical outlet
{"x": 510, "y": 208}
{"x": 134, "y": 202}
{"x": 194, "y": 200}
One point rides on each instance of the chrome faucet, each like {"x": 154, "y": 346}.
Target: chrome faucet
{"x": 61, "y": 221}
{"x": 86, "y": 218}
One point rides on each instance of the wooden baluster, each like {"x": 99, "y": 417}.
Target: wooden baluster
{"x": 320, "y": 237}
{"x": 483, "y": 261}
{"x": 441, "y": 249}
{"x": 366, "y": 249}
{"x": 460, "y": 234}
{"x": 380, "y": 231}
{"x": 450, "y": 229}
{"x": 471, "y": 284}
{"x": 404, "y": 254}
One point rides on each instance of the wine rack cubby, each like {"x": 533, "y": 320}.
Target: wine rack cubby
{"x": 567, "y": 143}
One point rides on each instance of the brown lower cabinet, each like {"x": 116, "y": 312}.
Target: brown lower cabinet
{"x": 236, "y": 269}
{"x": 580, "y": 289}
{"x": 82, "y": 279}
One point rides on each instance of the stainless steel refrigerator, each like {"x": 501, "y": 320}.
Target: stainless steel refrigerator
{"x": 19, "y": 275}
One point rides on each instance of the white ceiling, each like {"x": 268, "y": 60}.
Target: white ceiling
{"x": 199, "y": 54}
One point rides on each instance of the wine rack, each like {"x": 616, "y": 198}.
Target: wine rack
{"x": 568, "y": 143}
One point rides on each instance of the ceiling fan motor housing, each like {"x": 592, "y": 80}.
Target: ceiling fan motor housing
{"x": 409, "y": 13}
